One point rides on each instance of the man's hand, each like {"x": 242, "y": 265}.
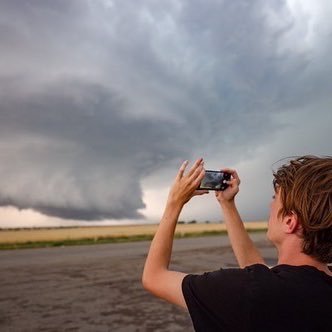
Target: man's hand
{"x": 157, "y": 278}
{"x": 185, "y": 185}
{"x": 244, "y": 249}
{"x": 229, "y": 194}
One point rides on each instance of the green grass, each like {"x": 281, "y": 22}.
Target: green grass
{"x": 103, "y": 240}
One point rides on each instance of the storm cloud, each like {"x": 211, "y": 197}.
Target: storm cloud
{"x": 96, "y": 96}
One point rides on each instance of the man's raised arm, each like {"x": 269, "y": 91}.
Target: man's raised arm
{"x": 157, "y": 278}
{"x": 244, "y": 249}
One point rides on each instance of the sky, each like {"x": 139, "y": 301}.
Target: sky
{"x": 101, "y": 101}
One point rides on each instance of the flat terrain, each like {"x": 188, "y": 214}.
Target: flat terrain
{"x": 98, "y": 288}
{"x": 75, "y": 233}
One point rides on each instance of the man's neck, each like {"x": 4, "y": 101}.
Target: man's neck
{"x": 291, "y": 254}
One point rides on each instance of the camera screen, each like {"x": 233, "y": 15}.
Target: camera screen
{"x": 214, "y": 180}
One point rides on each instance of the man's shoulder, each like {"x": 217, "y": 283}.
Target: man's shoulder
{"x": 260, "y": 275}
{"x": 224, "y": 273}
{"x": 223, "y": 279}
{"x": 288, "y": 279}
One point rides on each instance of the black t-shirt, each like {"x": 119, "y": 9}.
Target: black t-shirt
{"x": 256, "y": 298}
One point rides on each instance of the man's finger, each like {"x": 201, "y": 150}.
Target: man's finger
{"x": 200, "y": 192}
{"x": 236, "y": 177}
{"x": 197, "y": 173}
{"x": 197, "y": 177}
{"x": 195, "y": 166}
{"x": 182, "y": 169}
{"x": 233, "y": 174}
{"x": 228, "y": 170}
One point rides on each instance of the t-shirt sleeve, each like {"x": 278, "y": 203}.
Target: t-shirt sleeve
{"x": 217, "y": 300}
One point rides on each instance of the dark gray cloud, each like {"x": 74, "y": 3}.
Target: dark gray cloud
{"x": 97, "y": 95}
{"x": 74, "y": 155}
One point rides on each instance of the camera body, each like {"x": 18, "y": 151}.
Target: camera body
{"x": 215, "y": 180}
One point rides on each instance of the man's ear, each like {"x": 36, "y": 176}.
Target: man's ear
{"x": 291, "y": 223}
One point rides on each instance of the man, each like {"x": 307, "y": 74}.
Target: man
{"x": 295, "y": 295}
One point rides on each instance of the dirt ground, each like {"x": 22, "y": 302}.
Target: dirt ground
{"x": 98, "y": 287}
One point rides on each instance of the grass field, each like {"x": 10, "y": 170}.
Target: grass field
{"x": 85, "y": 235}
